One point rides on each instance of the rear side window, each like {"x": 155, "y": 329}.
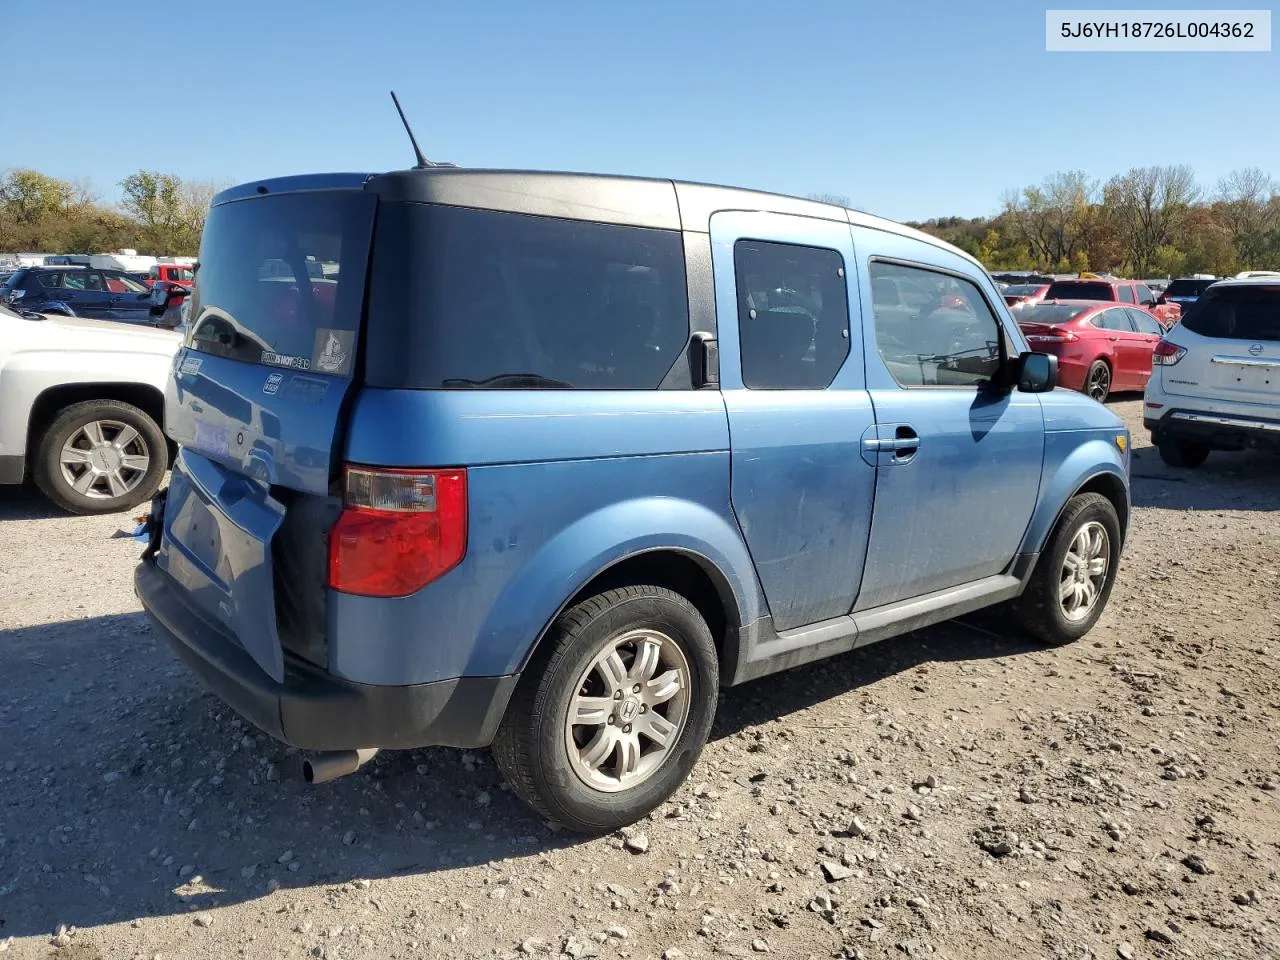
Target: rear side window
{"x": 1079, "y": 291}
{"x": 50, "y": 281}
{"x": 1236, "y": 313}
{"x": 282, "y": 280}
{"x": 466, "y": 299}
{"x": 1126, "y": 294}
{"x": 793, "y": 315}
{"x": 953, "y": 340}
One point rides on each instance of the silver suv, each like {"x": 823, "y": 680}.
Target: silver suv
{"x": 1215, "y": 380}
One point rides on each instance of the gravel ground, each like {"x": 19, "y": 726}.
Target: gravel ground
{"x": 954, "y": 793}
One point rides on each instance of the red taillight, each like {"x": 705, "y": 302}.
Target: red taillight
{"x": 1166, "y": 354}
{"x": 398, "y": 530}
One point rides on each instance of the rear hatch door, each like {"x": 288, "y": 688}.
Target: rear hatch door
{"x": 1235, "y": 355}
{"x": 258, "y": 391}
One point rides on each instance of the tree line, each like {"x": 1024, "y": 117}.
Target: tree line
{"x": 1148, "y": 222}
{"x": 159, "y": 214}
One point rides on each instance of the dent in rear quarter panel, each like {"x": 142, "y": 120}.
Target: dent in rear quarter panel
{"x": 560, "y": 485}
{"x": 1079, "y": 445}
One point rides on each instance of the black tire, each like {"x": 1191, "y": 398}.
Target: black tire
{"x": 47, "y": 469}
{"x": 1183, "y": 453}
{"x": 1097, "y": 382}
{"x": 1038, "y": 610}
{"x": 530, "y": 747}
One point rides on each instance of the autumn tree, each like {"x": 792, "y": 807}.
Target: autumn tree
{"x": 1150, "y": 204}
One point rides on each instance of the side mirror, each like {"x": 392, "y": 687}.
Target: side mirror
{"x": 1037, "y": 372}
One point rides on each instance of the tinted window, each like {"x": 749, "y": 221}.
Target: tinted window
{"x": 50, "y": 281}
{"x": 77, "y": 281}
{"x": 793, "y": 314}
{"x": 465, "y": 298}
{"x": 257, "y": 299}
{"x": 1143, "y": 322}
{"x": 1078, "y": 290}
{"x": 1113, "y": 320}
{"x": 1049, "y": 313}
{"x": 1125, "y": 293}
{"x": 1187, "y": 288}
{"x": 1021, "y": 290}
{"x": 1237, "y": 313}
{"x": 1145, "y": 296}
{"x": 954, "y": 340}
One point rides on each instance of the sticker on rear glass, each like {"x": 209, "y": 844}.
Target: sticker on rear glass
{"x": 285, "y": 360}
{"x": 332, "y": 350}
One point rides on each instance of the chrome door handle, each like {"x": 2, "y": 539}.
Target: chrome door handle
{"x": 891, "y": 443}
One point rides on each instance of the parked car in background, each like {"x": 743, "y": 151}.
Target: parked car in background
{"x": 1216, "y": 381}
{"x": 178, "y": 274}
{"x": 1130, "y": 292}
{"x": 1101, "y": 347}
{"x": 1185, "y": 291}
{"x": 1258, "y": 275}
{"x": 81, "y": 409}
{"x": 77, "y": 291}
{"x": 1024, "y": 294}
{"x": 388, "y": 529}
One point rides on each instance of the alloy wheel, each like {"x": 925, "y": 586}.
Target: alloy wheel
{"x": 628, "y": 711}
{"x": 104, "y": 459}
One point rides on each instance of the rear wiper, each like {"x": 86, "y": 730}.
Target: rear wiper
{"x": 508, "y": 380}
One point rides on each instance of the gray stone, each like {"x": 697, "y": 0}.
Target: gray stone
{"x": 835, "y": 872}
{"x": 636, "y": 843}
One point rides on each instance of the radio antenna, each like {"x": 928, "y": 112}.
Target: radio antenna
{"x": 423, "y": 163}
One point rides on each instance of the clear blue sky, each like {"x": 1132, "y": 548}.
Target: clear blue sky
{"x": 910, "y": 109}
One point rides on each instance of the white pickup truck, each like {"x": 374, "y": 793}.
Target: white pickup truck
{"x": 82, "y": 408}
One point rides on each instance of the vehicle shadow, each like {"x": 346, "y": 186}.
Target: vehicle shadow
{"x": 130, "y": 792}
{"x": 1247, "y": 480}
{"x": 26, "y": 503}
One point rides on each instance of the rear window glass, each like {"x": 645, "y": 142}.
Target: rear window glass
{"x": 1075, "y": 290}
{"x": 1021, "y": 290}
{"x": 474, "y": 298}
{"x": 1187, "y": 288}
{"x": 1050, "y": 313}
{"x": 1236, "y": 313}
{"x": 281, "y": 280}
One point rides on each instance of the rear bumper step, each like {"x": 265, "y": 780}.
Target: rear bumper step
{"x": 314, "y": 710}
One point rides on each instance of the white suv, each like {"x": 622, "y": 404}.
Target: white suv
{"x": 82, "y": 408}
{"x": 1215, "y": 378}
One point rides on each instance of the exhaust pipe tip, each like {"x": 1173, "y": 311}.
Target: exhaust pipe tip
{"x": 325, "y": 767}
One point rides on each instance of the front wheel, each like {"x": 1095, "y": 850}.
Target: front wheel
{"x": 100, "y": 456}
{"x": 613, "y": 712}
{"x": 1073, "y": 579}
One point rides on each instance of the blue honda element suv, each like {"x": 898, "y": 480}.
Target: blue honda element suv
{"x": 543, "y": 461}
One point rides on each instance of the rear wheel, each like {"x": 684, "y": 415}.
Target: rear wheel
{"x": 1097, "y": 383}
{"x": 100, "y": 456}
{"x": 613, "y": 713}
{"x": 1073, "y": 578}
{"x": 1183, "y": 453}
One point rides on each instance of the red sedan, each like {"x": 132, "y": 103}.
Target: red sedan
{"x": 1101, "y": 347}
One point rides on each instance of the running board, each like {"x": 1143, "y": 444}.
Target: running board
{"x": 768, "y": 652}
